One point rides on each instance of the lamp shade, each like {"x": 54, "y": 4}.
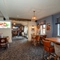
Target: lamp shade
{"x": 33, "y": 17}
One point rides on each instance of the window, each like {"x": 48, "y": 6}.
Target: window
{"x": 42, "y": 29}
{"x": 58, "y": 31}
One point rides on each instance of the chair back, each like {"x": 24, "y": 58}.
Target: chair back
{"x": 46, "y": 43}
{"x": 3, "y": 40}
{"x": 37, "y": 37}
{"x": 43, "y": 37}
{"x": 47, "y": 46}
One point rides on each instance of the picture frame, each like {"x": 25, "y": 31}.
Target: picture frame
{"x": 48, "y": 26}
{"x": 38, "y": 26}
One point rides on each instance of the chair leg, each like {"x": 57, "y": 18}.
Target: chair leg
{"x": 55, "y": 58}
{"x": 58, "y": 58}
{"x": 48, "y": 57}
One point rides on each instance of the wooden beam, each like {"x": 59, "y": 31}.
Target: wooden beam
{"x": 19, "y": 19}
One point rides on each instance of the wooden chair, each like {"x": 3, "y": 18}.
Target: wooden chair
{"x": 42, "y": 37}
{"x": 3, "y": 42}
{"x": 47, "y": 47}
{"x": 36, "y": 40}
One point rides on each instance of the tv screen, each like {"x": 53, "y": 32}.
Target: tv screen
{"x": 5, "y": 24}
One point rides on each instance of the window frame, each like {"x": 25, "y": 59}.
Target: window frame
{"x": 41, "y": 29}
{"x": 58, "y": 29}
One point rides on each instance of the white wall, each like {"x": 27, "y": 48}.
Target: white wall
{"x": 1, "y": 18}
{"x": 6, "y": 32}
{"x": 30, "y": 31}
{"x": 25, "y": 29}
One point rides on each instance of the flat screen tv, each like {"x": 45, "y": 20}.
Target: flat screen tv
{"x": 5, "y": 24}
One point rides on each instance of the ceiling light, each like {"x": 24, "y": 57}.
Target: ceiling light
{"x": 33, "y": 17}
{"x": 14, "y": 23}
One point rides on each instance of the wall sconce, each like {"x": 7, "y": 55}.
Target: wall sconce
{"x": 32, "y": 26}
{"x": 14, "y": 22}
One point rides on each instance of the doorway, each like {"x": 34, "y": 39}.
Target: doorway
{"x": 19, "y": 32}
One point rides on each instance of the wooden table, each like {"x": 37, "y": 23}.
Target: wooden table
{"x": 55, "y": 40}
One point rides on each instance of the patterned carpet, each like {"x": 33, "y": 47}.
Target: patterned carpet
{"x": 18, "y": 38}
{"x": 22, "y": 51}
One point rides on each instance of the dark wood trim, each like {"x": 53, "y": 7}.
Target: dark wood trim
{"x": 19, "y": 19}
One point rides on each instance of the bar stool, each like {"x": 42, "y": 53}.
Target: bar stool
{"x": 57, "y": 51}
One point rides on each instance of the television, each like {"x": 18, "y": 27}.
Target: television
{"x": 5, "y": 24}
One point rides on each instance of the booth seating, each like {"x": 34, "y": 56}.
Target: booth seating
{"x": 36, "y": 40}
{"x": 4, "y": 42}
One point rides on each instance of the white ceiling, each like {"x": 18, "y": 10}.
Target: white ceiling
{"x": 25, "y": 8}
{"x": 1, "y": 14}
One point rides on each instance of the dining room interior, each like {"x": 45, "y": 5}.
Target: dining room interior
{"x": 29, "y": 30}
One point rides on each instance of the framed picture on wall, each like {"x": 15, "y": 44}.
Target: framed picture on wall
{"x": 38, "y": 26}
{"x": 33, "y": 28}
{"x": 48, "y": 26}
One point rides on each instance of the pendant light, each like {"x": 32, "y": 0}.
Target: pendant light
{"x": 33, "y": 17}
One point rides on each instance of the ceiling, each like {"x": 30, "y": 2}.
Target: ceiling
{"x": 24, "y": 8}
{"x": 1, "y": 14}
